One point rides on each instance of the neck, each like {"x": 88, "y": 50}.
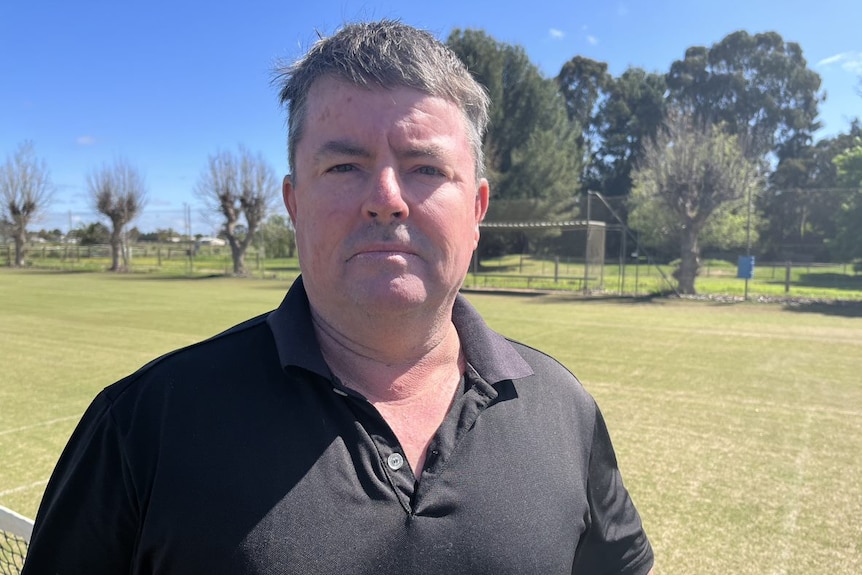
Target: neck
{"x": 392, "y": 364}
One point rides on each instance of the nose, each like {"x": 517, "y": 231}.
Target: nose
{"x": 385, "y": 202}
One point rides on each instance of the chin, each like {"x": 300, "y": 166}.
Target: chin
{"x": 402, "y": 292}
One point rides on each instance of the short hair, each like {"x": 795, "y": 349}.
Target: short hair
{"x": 384, "y": 54}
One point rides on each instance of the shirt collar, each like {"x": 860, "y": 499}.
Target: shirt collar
{"x": 490, "y": 354}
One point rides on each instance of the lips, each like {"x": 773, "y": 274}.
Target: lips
{"x": 383, "y": 251}
{"x": 387, "y": 248}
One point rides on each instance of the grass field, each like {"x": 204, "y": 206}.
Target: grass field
{"x": 738, "y": 426}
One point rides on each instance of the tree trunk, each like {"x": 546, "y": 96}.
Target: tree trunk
{"x": 20, "y": 248}
{"x": 689, "y": 260}
{"x": 116, "y": 245}
{"x": 237, "y": 252}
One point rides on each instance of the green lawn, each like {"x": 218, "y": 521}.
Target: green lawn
{"x": 738, "y": 426}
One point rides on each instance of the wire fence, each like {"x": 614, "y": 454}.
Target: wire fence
{"x": 15, "y": 533}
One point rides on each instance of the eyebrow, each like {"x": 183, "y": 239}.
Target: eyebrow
{"x": 427, "y": 151}
{"x": 340, "y": 148}
{"x": 347, "y": 148}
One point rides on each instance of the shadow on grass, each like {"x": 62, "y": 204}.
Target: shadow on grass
{"x": 497, "y": 268}
{"x": 49, "y": 271}
{"x": 836, "y": 308}
{"x": 167, "y": 277}
{"x": 556, "y": 296}
{"x": 826, "y": 280}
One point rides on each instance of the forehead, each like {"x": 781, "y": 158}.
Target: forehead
{"x": 335, "y": 104}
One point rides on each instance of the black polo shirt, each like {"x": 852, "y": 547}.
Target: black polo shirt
{"x": 242, "y": 455}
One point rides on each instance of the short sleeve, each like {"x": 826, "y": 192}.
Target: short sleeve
{"x": 87, "y": 521}
{"x": 614, "y": 542}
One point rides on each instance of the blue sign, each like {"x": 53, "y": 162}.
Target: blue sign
{"x": 745, "y": 267}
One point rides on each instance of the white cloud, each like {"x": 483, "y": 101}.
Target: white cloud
{"x": 556, "y": 34}
{"x": 85, "y": 140}
{"x": 592, "y": 40}
{"x": 850, "y": 61}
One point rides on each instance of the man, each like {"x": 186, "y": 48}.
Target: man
{"x": 372, "y": 423}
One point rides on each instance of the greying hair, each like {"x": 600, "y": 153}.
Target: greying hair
{"x": 384, "y": 54}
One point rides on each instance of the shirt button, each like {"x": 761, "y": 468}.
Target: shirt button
{"x": 395, "y": 461}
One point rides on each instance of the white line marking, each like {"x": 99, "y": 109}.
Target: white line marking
{"x": 40, "y": 424}
{"x": 41, "y": 483}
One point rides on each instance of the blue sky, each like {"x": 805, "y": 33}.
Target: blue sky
{"x": 167, "y": 83}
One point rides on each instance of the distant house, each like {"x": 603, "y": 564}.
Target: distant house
{"x": 207, "y": 241}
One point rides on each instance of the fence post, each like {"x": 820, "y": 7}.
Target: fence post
{"x": 787, "y": 277}
{"x": 556, "y": 268}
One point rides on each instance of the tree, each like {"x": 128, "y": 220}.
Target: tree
{"x": 237, "y": 186}
{"x": 119, "y": 192}
{"x": 25, "y": 191}
{"x": 692, "y": 175}
{"x": 849, "y": 237}
{"x": 758, "y": 87}
{"x": 627, "y": 119}
{"x": 532, "y": 155}
{"x": 584, "y": 83}
{"x": 279, "y": 237}
{"x": 93, "y": 234}
{"x": 802, "y": 199}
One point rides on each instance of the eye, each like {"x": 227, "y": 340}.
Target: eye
{"x": 429, "y": 171}
{"x": 341, "y": 168}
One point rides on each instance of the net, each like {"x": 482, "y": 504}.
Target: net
{"x": 15, "y": 533}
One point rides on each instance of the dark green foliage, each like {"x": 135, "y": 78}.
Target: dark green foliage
{"x": 584, "y": 84}
{"x": 278, "y": 237}
{"x": 531, "y": 149}
{"x": 848, "y": 240}
{"x": 92, "y": 234}
{"x": 802, "y": 200}
{"x": 631, "y": 115}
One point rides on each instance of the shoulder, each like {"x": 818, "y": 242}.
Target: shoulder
{"x": 549, "y": 374}
{"x": 242, "y": 348}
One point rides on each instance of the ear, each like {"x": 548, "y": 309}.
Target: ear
{"x": 288, "y": 194}
{"x": 483, "y": 194}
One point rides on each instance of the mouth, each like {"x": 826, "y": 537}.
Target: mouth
{"x": 383, "y": 252}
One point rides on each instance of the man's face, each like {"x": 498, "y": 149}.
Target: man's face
{"x": 384, "y": 198}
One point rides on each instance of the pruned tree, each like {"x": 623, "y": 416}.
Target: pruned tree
{"x": 690, "y": 177}
{"x": 25, "y": 190}
{"x": 238, "y": 187}
{"x": 118, "y": 191}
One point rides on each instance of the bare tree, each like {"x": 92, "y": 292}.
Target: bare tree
{"x": 688, "y": 176}
{"x": 119, "y": 192}
{"x": 25, "y": 190}
{"x": 238, "y": 186}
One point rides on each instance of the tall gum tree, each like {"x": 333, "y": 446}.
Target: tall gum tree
{"x": 759, "y": 87}
{"x": 630, "y": 116}
{"x": 25, "y": 191}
